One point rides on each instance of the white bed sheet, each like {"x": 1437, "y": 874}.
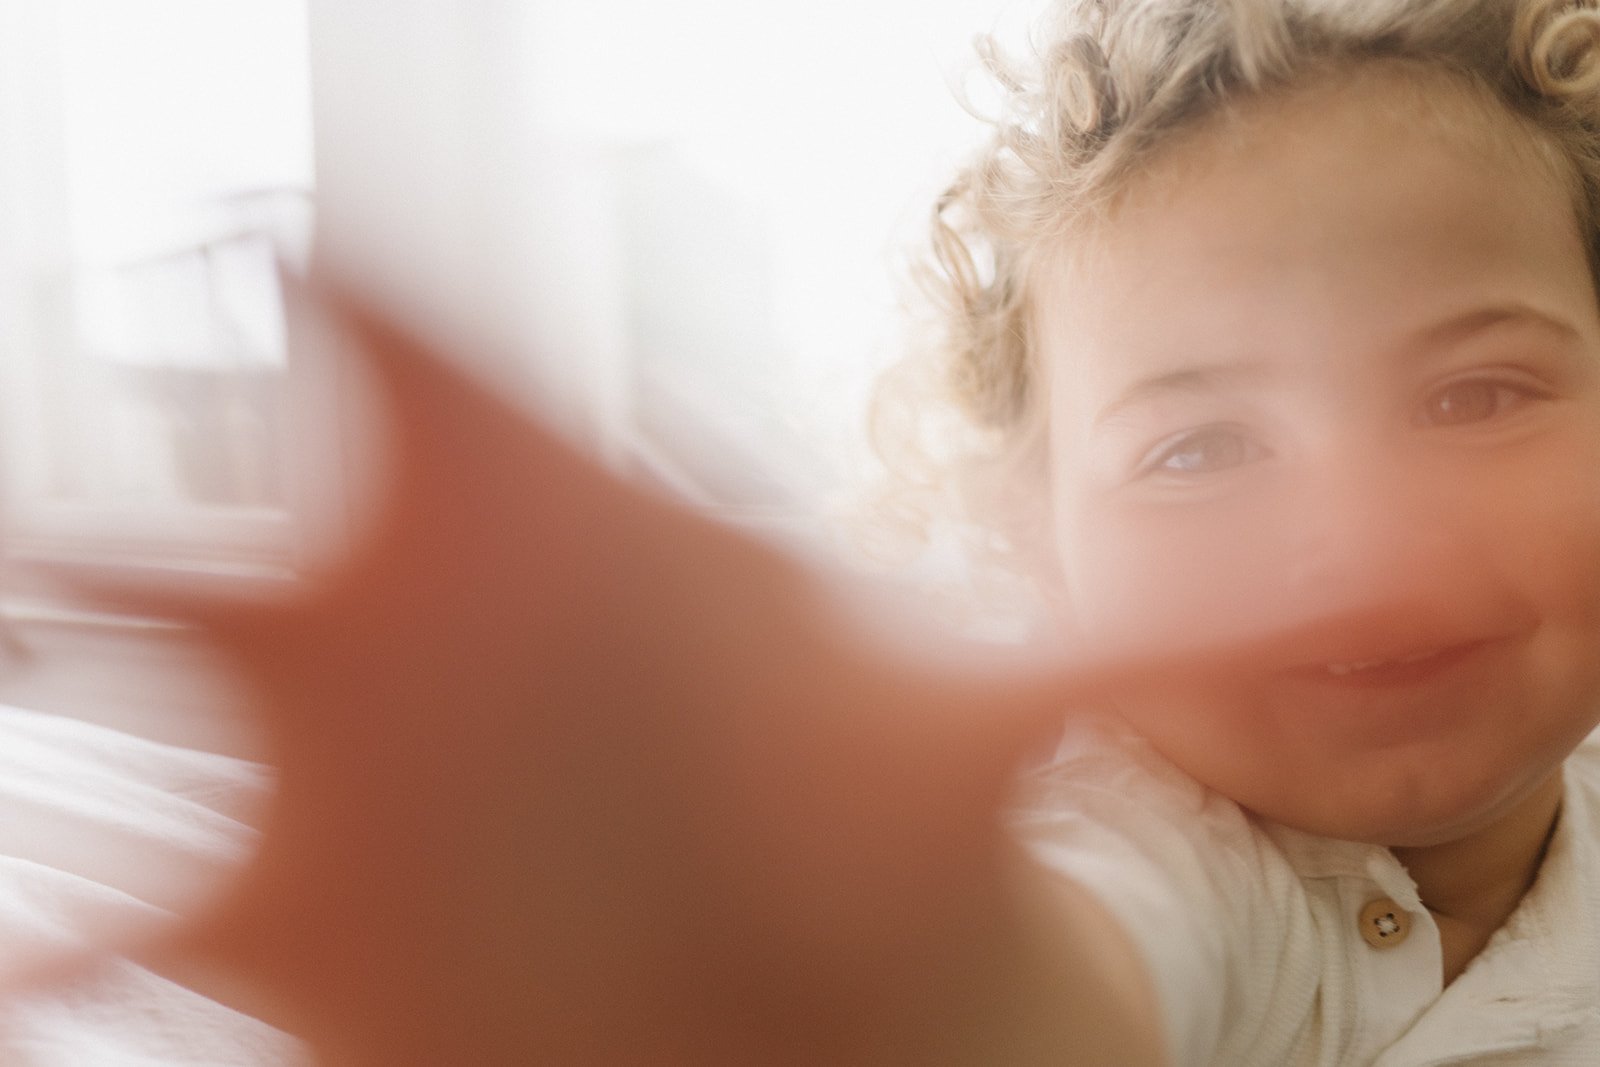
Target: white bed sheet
{"x": 101, "y": 831}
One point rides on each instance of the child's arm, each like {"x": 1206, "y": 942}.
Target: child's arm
{"x": 572, "y": 776}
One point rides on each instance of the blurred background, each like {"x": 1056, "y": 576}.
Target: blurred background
{"x": 677, "y": 230}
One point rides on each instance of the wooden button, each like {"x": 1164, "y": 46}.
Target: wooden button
{"x": 1384, "y": 923}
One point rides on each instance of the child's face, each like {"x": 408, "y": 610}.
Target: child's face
{"x": 1330, "y": 378}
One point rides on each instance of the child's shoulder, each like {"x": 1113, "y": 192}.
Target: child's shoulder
{"x": 1583, "y": 766}
{"x": 1580, "y": 811}
{"x": 1209, "y": 894}
{"x": 1581, "y": 806}
{"x": 1104, "y": 773}
{"x": 1102, "y": 755}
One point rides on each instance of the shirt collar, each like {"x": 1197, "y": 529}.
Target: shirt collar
{"x": 1539, "y": 976}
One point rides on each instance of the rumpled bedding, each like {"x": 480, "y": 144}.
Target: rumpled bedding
{"x": 102, "y": 832}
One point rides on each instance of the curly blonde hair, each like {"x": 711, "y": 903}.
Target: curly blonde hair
{"x": 961, "y": 422}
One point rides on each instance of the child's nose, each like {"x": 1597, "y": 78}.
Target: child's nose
{"x": 1374, "y": 528}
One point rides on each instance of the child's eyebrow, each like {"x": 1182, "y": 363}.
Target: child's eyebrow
{"x": 1458, "y": 328}
{"x": 1217, "y": 376}
{"x": 1196, "y": 378}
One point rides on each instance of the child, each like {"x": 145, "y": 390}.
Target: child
{"x": 1284, "y": 315}
{"x": 1288, "y": 310}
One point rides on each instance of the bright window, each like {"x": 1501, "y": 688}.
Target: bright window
{"x": 683, "y": 221}
{"x": 155, "y": 159}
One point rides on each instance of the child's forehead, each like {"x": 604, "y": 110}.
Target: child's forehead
{"x": 1333, "y": 109}
{"x": 1343, "y": 214}
{"x": 1309, "y": 137}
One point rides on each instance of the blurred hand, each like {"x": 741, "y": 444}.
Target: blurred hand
{"x": 570, "y": 775}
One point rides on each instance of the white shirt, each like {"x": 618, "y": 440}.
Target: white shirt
{"x": 102, "y": 833}
{"x": 1252, "y": 933}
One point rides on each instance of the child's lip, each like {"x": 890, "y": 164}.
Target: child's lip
{"x": 1397, "y": 668}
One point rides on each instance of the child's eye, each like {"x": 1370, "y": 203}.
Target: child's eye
{"x": 1475, "y": 400}
{"x": 1205, "y": 451}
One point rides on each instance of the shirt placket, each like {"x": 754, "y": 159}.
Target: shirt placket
{"x": 1395, "y": 954}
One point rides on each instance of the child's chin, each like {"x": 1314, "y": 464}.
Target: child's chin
{"x": 1395, "y": 832}
{"x": 1368, "y": 828}
{"x": 1414, "y": 823}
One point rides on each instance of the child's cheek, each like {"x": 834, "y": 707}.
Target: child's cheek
{"x": 1547, "y": 531}
{"x": 1143, "y": 578}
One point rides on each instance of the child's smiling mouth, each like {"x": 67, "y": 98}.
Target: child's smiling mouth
{"x": 1342, "y": 669}
{"x": 1406, "y": 663}
{"x": 1399, "y": 670}
{"x": 1394, "y": 646}
{"x": 1404, "y": 689}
